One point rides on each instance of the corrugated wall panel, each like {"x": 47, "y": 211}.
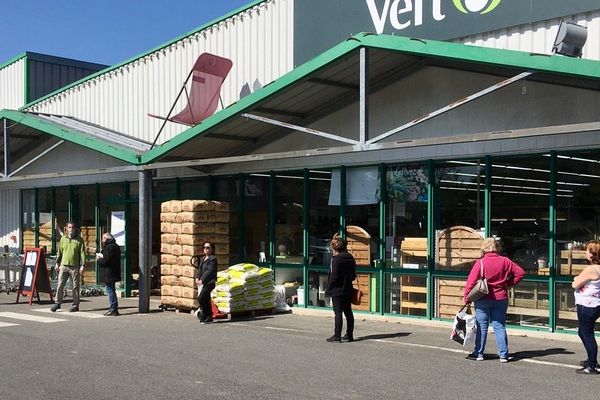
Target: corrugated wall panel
{"x": 46, "y": 77}
{"x": 12, "y": 85}
{"x": 258, "y": 40}
{"x": 539, "y": 37}
{"x": 9, "y": 218}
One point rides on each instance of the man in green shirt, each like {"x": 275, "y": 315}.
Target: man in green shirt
{"x": 70, "y": 260}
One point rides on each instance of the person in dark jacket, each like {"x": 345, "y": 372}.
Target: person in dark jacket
{"x": 206, "y": 278}
{"x": 109, "y": 268}
{"x": 339, "y": 288}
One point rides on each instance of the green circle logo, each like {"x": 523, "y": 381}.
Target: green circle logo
{"x": 476, "y": 6}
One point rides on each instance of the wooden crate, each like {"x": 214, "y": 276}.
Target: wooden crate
{"x": 449, "y": 297}
{"x": 413, "y": 295}
{"x": 572, "y": 262}
{"x": 413, "y": 250}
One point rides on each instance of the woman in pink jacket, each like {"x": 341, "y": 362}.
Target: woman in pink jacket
{"x": 501, "y": 273}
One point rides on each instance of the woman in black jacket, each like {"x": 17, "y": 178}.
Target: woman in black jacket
{"x": 109, "y": 270}
{"x": 339, "y": 287}
{"x": 206, "y": 278}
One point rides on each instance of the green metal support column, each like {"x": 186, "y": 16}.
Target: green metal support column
{"x": 343, "y": 201}
{"x": 97, "y": 227}
{"x": 241, "y": 216}
{"x": 36, "y": 218}
{"x": 272, "y": 219}
{"x": 431, "y": 218}
{"x": 305, "y": 233}
{"x": 127, "y": 270}
{"x": 382, "y": 227}
{"x": 552, "y": 241}
{"x": 487, "y": 204}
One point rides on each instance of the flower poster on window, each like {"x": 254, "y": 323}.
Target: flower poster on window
{"x": 407, "y": 184}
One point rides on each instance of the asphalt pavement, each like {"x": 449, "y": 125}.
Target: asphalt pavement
{"x": 169, "y": 355}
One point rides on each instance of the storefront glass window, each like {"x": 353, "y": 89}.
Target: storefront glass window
{"x": 61, "y": 212}
{"x": 564, "y": 301}
{"x": 29, "y": 223}
{"x": 578, "y": 213}
{"x": 195, "y": 188}
{"x": 84, "y": 205}
{"x": 406, "y": 225}
{"x": 519, "y": 211}
{"x": 324, "y": 218}
{"x": 459, "y": 214}
{"x": 226, "y": 189}
{"x": 405, "y": 294}
{"x": 111, "y": 212}
{"x": 289, "y": 211}
{"x": 291, "y": 279}
{"x": 448, "y": 297}
{"x": 256, "y": 197}
{"x": 528, "y": 304}
{"x": 45, "y": 216}
{"x": 362, "y": 213}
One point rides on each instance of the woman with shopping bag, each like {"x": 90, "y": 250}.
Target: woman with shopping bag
{"x": 498, "y": 273}
{"x": 587, "y": 298}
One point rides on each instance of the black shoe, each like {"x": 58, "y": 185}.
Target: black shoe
{"x": 347, "y": 338}
{"x": 55, "y": 307}
{"x": 584, "y": 364}
{"x": 74, "y": 309}
{"x": 336, "y": 339}
{"x": 475, "y": 356}
{"x": 587, "y": 371}
{"x": 111, "y": 313}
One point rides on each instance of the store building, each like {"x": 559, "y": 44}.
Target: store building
{"x": 421, "y": 146}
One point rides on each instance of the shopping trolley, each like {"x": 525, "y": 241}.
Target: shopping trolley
{"x": 11, "y": 264}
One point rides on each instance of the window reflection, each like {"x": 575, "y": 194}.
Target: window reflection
{"x": 406, "y": 225}
{"x": 519, "y": 211}
{"x": 289, "y": 212}
{"x": 256, "y": 192}
{"x": 460, "y": 220}
{"x": 578, "y": 215}
{"x": 323, "y": 219}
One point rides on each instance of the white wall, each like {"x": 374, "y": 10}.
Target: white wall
{"x": 12, "y": 85}
{"x": 258, "y": 40}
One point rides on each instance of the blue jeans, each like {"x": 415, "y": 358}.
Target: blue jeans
{"x": 587, "y": 316}
{"x": 112, "y": 296}
{"x": 487, "y": 310}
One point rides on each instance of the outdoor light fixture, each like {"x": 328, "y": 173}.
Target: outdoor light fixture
{"x": 569, "y": 39}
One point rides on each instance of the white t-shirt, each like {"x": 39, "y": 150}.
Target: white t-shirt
{"x": 588, "y": 295}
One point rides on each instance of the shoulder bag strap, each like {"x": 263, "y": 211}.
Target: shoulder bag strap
{"x": 482, "y": 271}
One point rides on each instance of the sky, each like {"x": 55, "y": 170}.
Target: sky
{"x": 101, "y": 31}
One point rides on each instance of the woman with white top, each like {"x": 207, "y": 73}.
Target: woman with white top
{"x": 587, "y": 298}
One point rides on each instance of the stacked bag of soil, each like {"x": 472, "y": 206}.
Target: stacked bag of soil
{"x": 185, "y": 226}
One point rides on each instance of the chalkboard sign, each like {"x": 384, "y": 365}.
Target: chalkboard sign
{"x": 34, "y": 275}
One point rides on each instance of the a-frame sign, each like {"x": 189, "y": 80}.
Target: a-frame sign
{"x": 34, "y": 275}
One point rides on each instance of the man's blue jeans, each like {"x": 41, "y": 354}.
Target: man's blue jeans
{"x": 587, "y": 316}
{"x": 112, "y": 296}
{"x": 487, "y": 310}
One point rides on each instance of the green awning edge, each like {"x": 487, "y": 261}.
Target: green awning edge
{"x": 522, "y": 61}
{"x": 147, "y": 53}
{"x": 72, "y": 136}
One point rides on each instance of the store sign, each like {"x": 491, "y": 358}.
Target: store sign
{"x": 321, "y": 24}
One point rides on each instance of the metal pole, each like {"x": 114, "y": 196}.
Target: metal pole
{"x": 144, "y": 241}
{"x": 363, "y": 122}
{"x": 6, "y": 152}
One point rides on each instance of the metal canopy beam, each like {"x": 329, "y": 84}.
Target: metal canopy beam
{"x": 363, "y": 103}
{"x": 465, "y": 138}
{"x": 300, "y": 128}
{"x": 226, "y": 136}
{"x": 450, "y": 106}
{"x": 34, "y": 159}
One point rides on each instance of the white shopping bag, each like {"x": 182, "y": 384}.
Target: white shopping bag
{"x": 464, "y": 327}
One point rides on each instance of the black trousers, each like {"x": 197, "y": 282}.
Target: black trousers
{"x": 343, "y": 304}
{"x": 204, "y": 300}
